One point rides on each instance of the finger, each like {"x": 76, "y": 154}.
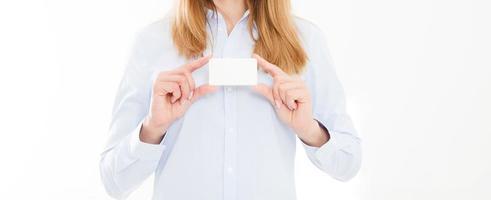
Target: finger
{"x": 269, "y": 68}
{"x": 173, "y": 89}
{"x": 191, "y": 83}
{"x": 185, "y": 91}
{"x": 294, "y": 96}
{"x": 182, "y": 81}
{"x": 177, "y": 78}
{"x": 276, "y": 92}
{"x": 265, "y": 91}
{"x": 194, "y": 65}
{"x": 189, "y": 79}
{"x": 202, "y": 91}
{"x": 283, "y": 89}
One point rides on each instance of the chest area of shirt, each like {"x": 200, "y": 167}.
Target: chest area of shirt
{"x": 238, "y": 43}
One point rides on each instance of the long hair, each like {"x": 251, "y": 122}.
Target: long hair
{"x": 277, "y": 41}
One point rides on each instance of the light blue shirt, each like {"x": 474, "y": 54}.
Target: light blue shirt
{"x": 229, "y": 145}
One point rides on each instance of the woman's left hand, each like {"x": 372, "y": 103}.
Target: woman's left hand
{"x": 291, "y": 98}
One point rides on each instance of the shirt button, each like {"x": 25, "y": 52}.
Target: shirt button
{"x": 230, "y": 169}
{"x": 230, "y": 130}
{"x": 229, "y": 89}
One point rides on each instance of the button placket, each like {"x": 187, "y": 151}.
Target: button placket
{"x": 230, "y": 132}
{"x": 230, "y": 147}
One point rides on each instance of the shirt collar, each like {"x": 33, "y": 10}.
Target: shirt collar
{"x": 211, "y": 14}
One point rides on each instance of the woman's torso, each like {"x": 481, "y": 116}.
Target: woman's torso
{"x": 229, "y": 144}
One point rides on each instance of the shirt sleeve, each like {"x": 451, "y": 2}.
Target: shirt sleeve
{"x": 340, "y": 157}
{"x": 126, "y": 161}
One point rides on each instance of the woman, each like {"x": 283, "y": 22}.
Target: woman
{"x": 209, "y": 143}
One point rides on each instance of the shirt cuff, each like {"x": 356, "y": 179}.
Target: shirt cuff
{"x": 331, "y": 146}
{"x": 142, "y": 150}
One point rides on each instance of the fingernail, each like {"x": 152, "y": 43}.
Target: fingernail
{"x": 191, "y": 95}
{"x": 277, "y": 104}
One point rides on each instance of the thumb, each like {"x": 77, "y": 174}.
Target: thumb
{"x": 202, "y": 91}
{"x": 265, "y": 91}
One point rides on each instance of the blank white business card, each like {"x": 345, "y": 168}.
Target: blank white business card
{"x": 232, "y": 71}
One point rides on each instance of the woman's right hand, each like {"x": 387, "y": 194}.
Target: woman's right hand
{"x": 172, "y": 94}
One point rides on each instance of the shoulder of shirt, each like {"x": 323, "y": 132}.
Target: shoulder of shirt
{"x": 308, "y": 30}
{"x": 156, "y": 33}
{"x": 314, "y": 41}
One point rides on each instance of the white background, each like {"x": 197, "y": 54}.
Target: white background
{"x": 417, "y": 75}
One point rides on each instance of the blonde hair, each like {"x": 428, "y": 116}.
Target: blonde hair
{"x": 277, "y": 42}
